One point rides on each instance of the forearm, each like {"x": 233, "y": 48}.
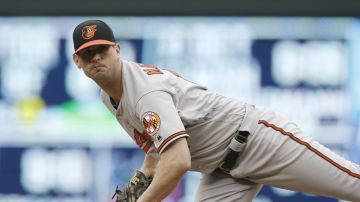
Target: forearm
{"x": 172, "y": 167}
{"x": 149, "y": 165}
{"x": 163, "y": 183}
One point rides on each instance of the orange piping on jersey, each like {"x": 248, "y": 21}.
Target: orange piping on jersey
{"x": 169, "y": 139}
{"x": 147, "y": 146}
{"x": 139, "y": 138}
{"x": 306, "y": 144}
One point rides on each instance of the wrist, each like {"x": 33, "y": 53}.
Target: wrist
{"x": 149, "y": 173}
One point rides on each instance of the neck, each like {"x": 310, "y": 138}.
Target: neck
{"x": 113, "y": 86}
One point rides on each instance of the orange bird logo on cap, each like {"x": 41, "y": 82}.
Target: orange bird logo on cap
{"x": 88, "y": 32}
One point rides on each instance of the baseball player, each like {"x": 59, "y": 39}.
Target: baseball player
{"x": 182, "y": 126}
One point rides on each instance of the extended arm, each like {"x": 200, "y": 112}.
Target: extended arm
{"x": 173, "y": 164}
{"x": 149, "y": 165}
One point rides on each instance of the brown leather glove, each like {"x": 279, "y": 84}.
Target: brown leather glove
{"x": 136, "y": 186}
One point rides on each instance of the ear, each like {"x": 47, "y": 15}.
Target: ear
{"x": 117, "y": 48}
{"x": 76, "y": 60}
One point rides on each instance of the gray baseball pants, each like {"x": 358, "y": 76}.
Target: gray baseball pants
{"x": 279, "y": 154}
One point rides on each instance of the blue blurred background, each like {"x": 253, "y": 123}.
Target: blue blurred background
{"x": 59, "y": 143}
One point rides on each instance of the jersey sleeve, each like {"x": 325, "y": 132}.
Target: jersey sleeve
{"x": 160, "y": 119}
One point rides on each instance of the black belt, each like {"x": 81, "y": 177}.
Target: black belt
{"x": 241, "y": 138}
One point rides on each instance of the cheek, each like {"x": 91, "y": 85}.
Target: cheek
{"x": 86, "y": 70}
{"x": 109, "y": 61}
{"x": 115, "y": 59}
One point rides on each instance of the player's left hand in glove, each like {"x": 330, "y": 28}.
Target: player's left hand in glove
{"x": 137, "y": 186}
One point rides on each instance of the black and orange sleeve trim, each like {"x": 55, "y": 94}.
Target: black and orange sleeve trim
{"x": 170, "y": 139}
{"x": 313, "y": 149}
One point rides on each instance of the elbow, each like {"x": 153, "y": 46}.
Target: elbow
{"x": 188, "y": 165}
{"x": 185, "y": 165}
{"x": 184, "y": 161}
{"x": 177, "y": 156}
{"x": 181, "y": 168}
{"x": 181, "y": 164}
{"x": 178, "y": 166}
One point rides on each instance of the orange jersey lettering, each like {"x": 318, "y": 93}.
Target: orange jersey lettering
{"x": 150, "y": 69}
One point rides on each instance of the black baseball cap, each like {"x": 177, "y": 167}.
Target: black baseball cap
{"x": 92, "y": 32}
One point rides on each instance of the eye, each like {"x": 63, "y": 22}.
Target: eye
{"x": 90, "y": 52}
{"x": 87, "y": 53}
{"x": 102, "y": 49}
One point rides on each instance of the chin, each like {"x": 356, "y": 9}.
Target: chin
{"x": 100, "y": 76}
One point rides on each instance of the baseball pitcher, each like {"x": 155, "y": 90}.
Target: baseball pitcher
{"x": 182, "y": 126}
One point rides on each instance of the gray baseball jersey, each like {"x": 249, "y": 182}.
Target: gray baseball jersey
{"x": 159, "y": 106}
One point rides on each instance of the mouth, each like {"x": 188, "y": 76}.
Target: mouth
{"x": 97, "y": 67}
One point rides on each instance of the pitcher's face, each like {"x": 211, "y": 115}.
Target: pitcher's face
{"x": 99, "y": 61}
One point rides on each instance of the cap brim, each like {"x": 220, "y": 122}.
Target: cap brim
{"x": 93, "y": 43}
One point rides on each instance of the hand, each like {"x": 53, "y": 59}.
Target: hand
{"x": 136, "y": 186}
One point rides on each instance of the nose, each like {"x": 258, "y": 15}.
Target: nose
{"x": 96, "y": 57}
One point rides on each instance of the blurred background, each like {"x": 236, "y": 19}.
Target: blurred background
{"x": 58, "y": 143}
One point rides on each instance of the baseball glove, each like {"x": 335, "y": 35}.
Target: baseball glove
{"x": 136, "y": 186}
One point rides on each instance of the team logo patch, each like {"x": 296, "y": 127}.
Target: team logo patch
{"x": 151, "y": 122}
{"x": 88, "y": 32}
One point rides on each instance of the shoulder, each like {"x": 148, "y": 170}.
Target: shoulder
{"x": 143, "y": 76}
{"x": 143, "y": 69}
